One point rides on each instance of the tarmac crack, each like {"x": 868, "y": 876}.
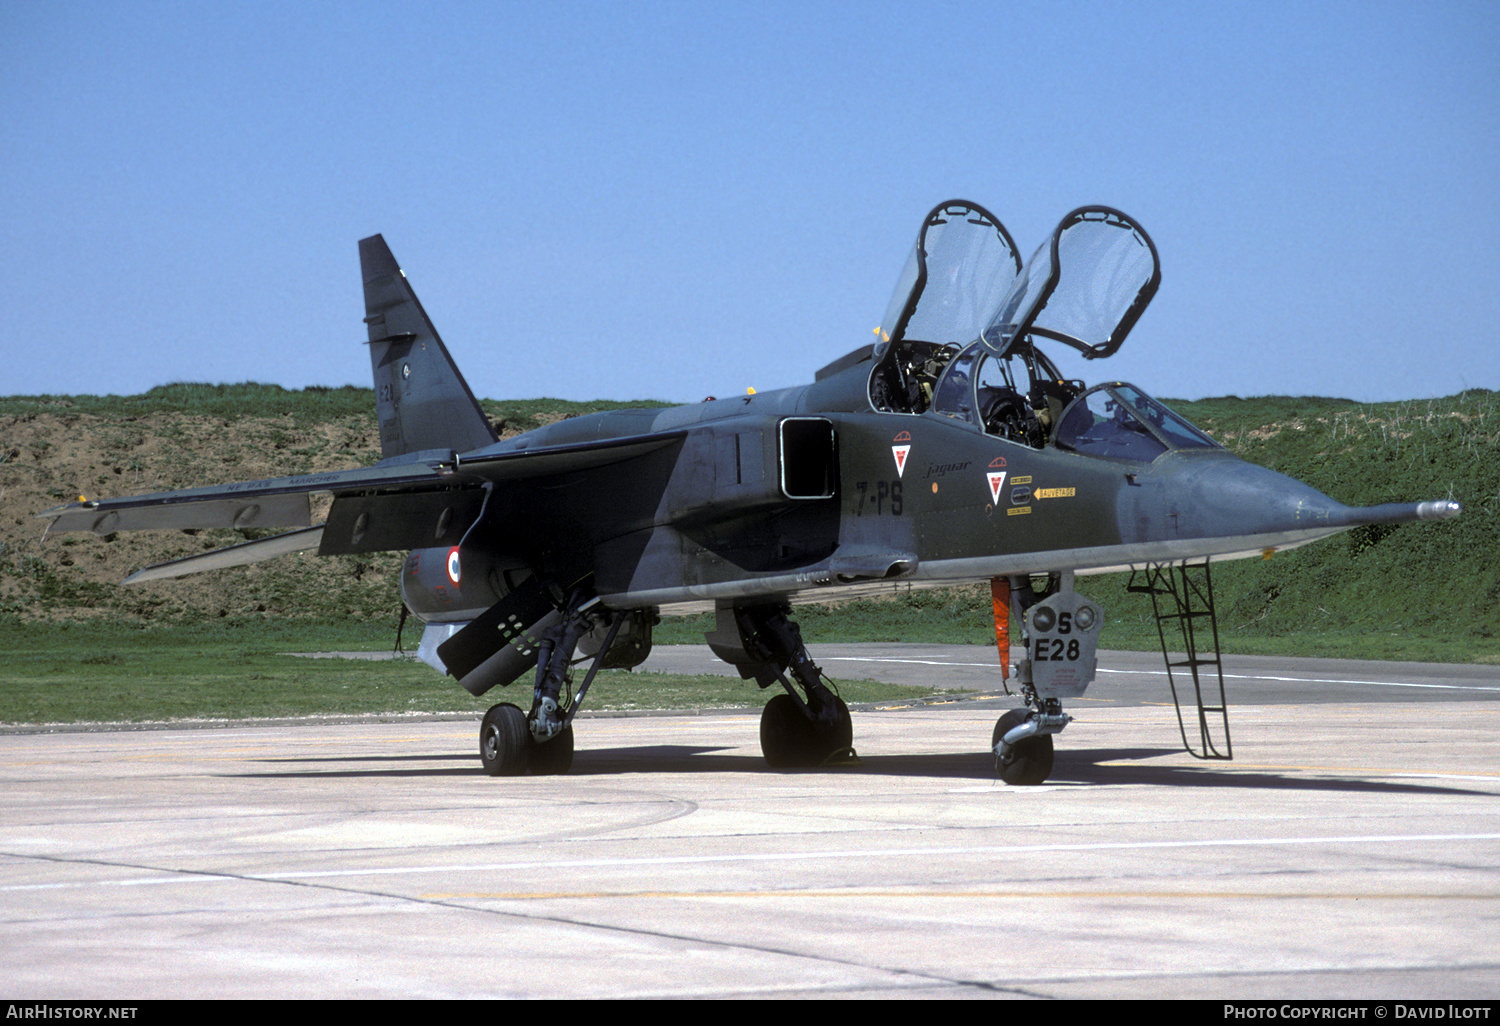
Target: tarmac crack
{"x": 448, "y": 903}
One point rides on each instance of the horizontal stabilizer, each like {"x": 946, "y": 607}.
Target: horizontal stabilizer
{"x": 234, "y": 555}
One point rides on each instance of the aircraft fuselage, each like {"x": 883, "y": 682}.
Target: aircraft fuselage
{"x": 786, "y": 494}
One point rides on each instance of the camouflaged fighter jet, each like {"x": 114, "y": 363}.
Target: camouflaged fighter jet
{"x": 950, "y": 449}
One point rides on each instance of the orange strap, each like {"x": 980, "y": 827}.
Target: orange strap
{"x": 1000, "y": 596}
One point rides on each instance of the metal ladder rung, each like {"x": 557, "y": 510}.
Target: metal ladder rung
{"x": 1192, "y": 604}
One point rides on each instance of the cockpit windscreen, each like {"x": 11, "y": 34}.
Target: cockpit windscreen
{"x": 1122, "y": 422}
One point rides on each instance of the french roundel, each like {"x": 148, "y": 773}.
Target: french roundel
{"x": 453, "y": 568}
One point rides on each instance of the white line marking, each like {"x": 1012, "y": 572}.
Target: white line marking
{"x": 1163, "y": 673}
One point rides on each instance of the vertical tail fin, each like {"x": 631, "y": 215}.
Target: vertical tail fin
{"x": 421, "y": 399}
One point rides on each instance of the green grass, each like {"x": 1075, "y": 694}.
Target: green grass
{"x": 1413, "y": 591}
{"x": 250, "y": 399}
{"x": 94, "y": 672}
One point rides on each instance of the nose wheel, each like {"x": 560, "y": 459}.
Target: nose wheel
{"x": 1026, "y": 761}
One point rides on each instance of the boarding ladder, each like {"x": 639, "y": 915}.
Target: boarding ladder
{"x": 1190, "y": 590}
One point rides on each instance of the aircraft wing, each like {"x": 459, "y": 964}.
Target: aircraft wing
{"x": 273, "y": 502}
{"x": 415, "y": 503}
{"x": 405, "y": 517}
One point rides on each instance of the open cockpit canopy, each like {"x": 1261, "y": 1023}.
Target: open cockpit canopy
{"x": 958, "y": 273}
{"x": 1085, "y": 287}
{"x": 960, "y": 338}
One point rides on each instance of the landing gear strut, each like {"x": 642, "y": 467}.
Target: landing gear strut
{"x": 1061, "y": 629}
{"x": 512, "y": 743}
{"x": 795, "y": 732}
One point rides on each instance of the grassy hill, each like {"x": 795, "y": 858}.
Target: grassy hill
{"x": 1422, "y": 591}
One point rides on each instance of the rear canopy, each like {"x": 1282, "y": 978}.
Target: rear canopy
{"x": 1086, "y": 286}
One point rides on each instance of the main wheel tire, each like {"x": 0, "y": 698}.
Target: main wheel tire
{"x": 1030, "y": 760}
{"x": 841, "y": 735}
{"x": 504, "y": 741}
{"x": 785, "y": 734}
{"x": 789, "y": 740}
{"x": 552, "y": 757}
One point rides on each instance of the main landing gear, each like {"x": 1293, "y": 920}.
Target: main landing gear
{"x": 513, "y": 743}
{"x": 795, "y": 731}
{"x": 508, "y": 748}
{"x": 792, "y": 738}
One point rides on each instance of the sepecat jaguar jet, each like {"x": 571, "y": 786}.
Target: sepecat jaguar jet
{"x": 533, "y": 555}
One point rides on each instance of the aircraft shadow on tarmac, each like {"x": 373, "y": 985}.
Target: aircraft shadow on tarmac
{"x": 1077, "y": 767}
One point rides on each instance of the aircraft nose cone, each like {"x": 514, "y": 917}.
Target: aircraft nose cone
{"x": 1199, "y": 498}
{"x": 1242, "y": 498}
{"x": 1219, "y": 496}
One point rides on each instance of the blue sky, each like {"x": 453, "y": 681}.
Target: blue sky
{"x": 670, "y": 200}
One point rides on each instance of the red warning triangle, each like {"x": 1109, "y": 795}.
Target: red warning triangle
{"x": 900, "y": 451}
{"x": 997, "y": 480}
